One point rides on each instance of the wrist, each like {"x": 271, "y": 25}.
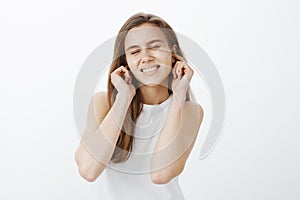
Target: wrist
{"x": 126, "y": 98}
{"x": 179, "y": 99}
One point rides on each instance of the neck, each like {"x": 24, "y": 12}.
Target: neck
{"x": 154, "y": 95}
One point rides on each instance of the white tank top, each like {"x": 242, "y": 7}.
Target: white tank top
{"x": 131, "y": 179}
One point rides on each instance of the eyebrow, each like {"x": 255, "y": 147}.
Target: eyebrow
{"x": 150, "y": 42}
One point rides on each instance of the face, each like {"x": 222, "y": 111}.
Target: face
{"x": 148, "y": 54}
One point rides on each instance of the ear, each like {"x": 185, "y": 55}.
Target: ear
{"x": 174, "y": 48}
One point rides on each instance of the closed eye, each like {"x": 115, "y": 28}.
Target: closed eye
{"x": 155, "y": 47}
{"x": 134, "y": 52}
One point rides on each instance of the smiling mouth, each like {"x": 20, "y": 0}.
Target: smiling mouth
{"x": 150, "y": 69}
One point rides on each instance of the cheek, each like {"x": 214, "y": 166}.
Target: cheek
{"x": 131, "y": 62}
{"x": 132, "y": 65}
{"x": 167, "y": 60}
{"x": 164, "y": 56}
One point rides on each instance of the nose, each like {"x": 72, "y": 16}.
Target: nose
{"x": 145, "y": 55}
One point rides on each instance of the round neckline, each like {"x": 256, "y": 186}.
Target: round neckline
{"x": 161, "y": 105}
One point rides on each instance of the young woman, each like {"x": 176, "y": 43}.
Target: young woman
{"x": 141, "y": 131}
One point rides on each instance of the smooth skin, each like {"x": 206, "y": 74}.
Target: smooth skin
{"x": 145, "y": 46}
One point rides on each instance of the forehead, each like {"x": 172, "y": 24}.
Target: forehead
{"x": 144, "y": 33}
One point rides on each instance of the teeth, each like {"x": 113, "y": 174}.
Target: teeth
{"x": 150, "y": 69}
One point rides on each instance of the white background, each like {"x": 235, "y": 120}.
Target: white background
{"x": 254, "y": 45}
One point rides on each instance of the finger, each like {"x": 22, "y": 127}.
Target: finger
{"x": 118, "y": 81}
{"x": 185, "y": 69}
{"x": 123, "y": 71}
{"x": 116, "y": 76}
{"x": 185, "y": 79}
{"x": 178, "y": 57}
{"x": 120, "y": 71}
{"x": 188, "y": 71}
{"x": 180, "y": 70}
{"x": 188, "y": 74}
{"x": 174, "y": 70}
{"x": 126, "y": 79}
{"x": 127, "y": 76}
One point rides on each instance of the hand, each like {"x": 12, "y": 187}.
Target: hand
{"x": 182, "y": 75}
{"x": 124, "y": 85}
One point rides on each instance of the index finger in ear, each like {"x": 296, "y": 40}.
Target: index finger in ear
{"x": 126, "y": 66}
{"x": 178, "y": 57}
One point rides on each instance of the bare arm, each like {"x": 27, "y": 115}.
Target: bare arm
{"x": 98, "y": 141}
{"x": 175, "y": 141}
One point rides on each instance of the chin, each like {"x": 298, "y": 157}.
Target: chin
{"x": 149, "y": 83}
{"x": 152, "y": 83}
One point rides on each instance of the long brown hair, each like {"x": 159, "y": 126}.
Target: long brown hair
{"x": 125, "y": 141}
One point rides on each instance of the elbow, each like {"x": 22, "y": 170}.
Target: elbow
{"x": 87, "y": 175}
{"x": 165, "y": 176}
{"x": 84, "y": 170}
{"x": 159, "y": 178}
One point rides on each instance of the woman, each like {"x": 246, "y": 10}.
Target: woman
{"x": 142, "y": 130}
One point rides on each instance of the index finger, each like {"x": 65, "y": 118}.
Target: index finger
{"x": 178, "y": 57}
